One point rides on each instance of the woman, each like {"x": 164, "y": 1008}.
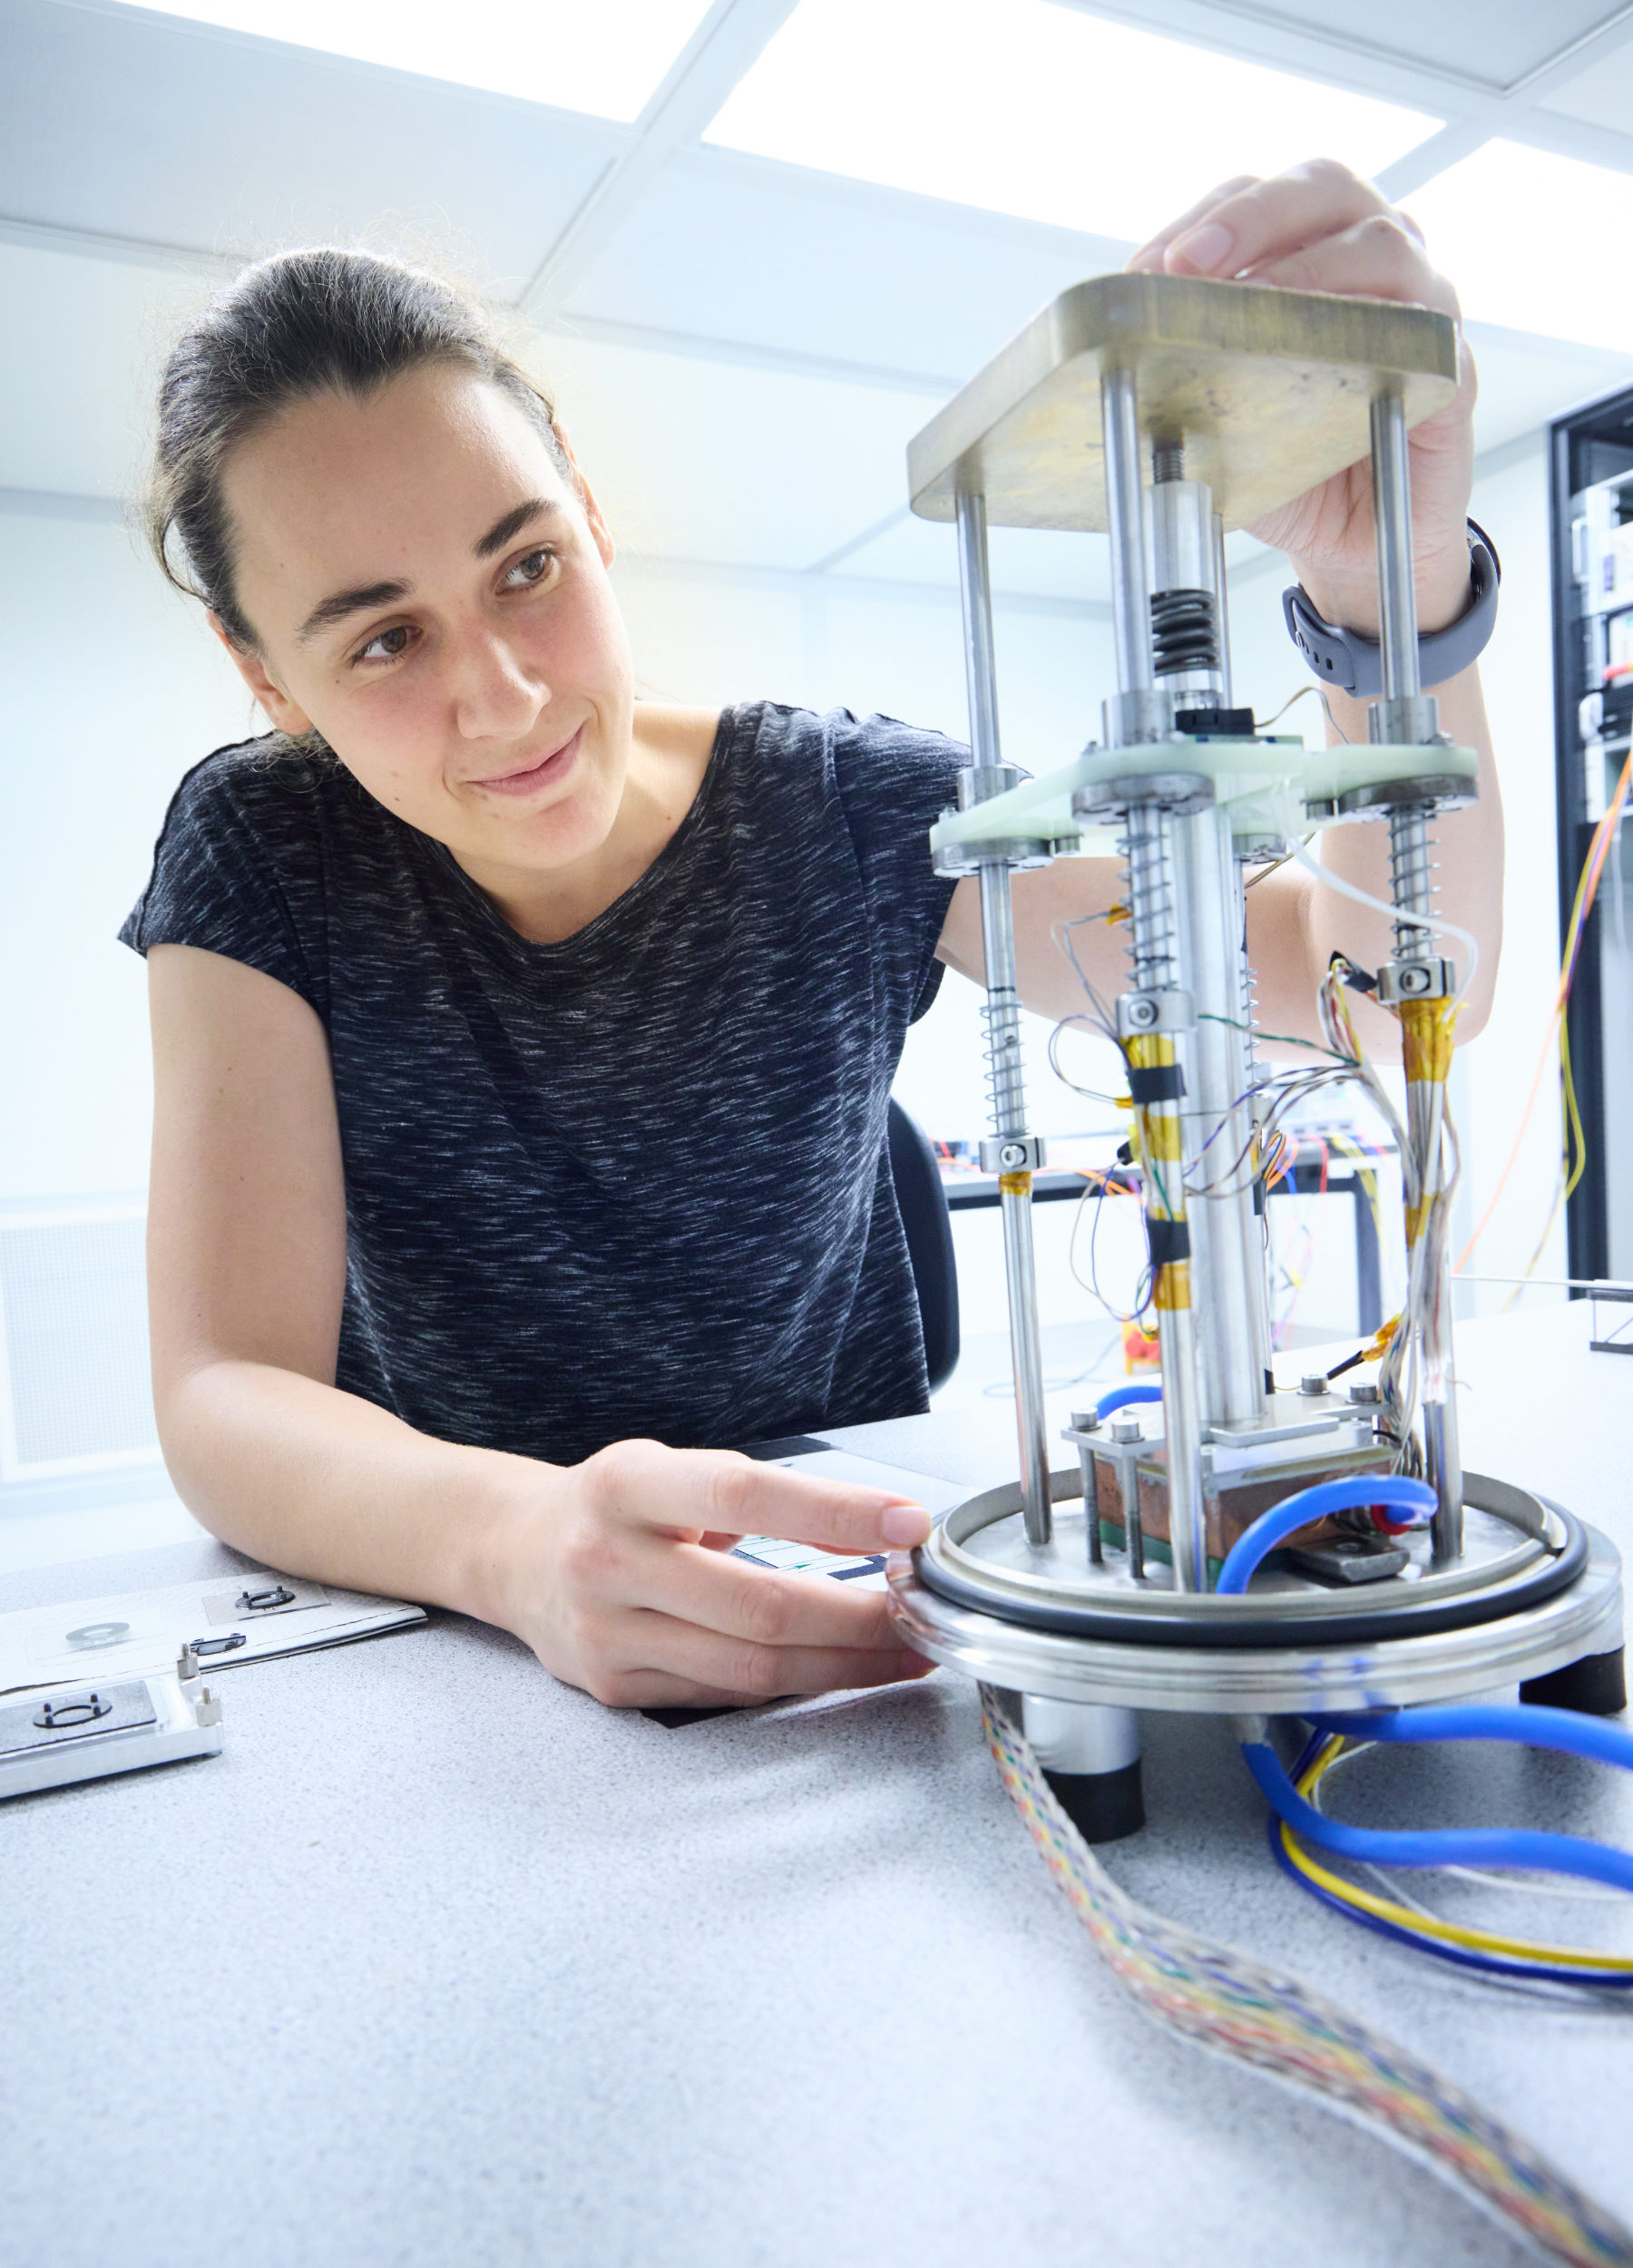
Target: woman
{"x": 522, "y": 1053}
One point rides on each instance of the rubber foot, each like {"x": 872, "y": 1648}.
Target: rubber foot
{"x": 1597, "y": 1686}
{"x": 1103, "y": 1806}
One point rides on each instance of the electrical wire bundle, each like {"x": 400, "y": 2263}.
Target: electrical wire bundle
{"x": 1240, "y": 2008}
{"x": 1605, "y": 839}
{"x": 1490, "y": 1951}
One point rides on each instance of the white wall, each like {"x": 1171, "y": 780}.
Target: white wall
{"x": 113, "y": 686}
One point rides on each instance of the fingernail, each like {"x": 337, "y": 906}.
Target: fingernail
{"x": 1144, "y": 260}
{"x": 903, "y": 1524}
{"x": 1205, "y": 249}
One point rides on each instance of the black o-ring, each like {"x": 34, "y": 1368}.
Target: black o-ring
{"x": 201, "y": 1647}
{"x": 1427, "y": 1620}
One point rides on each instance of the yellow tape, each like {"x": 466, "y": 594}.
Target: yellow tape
{"x": 1174, "y": 1286}
{"x": 1426, "y": 1037}
{"x": 1160, "y": 1133}
{"x": 1015, "y": 1184}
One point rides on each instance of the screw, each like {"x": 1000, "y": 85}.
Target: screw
{"x": 1014, "y": 1153}
{"x": 1085, "y": 1421}
{"x": 1315, "y": 1383}
{"x": 1142, "y": 1014}
{"x": 1126, "y": 1430}
{"x": 1365, "y": 1394}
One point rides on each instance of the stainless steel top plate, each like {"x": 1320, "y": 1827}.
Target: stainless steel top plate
{"x": 1269, "y": 391}
{"x": 1506, "y": 1531}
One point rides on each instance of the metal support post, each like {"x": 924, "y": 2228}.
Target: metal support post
{"x": 1230, "y": 1282}
{"x": 1406, "y": 715}
{"x": 1015, "y": 1152}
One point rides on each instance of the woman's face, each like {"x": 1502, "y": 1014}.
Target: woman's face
{"x": 429, "y": 591}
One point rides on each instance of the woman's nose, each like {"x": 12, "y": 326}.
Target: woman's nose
{"x": 495, "y": 699}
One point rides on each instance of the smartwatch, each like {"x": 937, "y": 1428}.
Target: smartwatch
{"x": 1354, "y": 662}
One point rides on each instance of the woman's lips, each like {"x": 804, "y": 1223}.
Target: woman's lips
{"x": 535, "y": 776}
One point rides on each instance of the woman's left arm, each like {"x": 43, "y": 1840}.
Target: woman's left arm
{"x": 1317, "y": 228}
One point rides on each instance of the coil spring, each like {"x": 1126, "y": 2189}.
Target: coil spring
{"x": 1005, "y": 1073}
{"x": 1411, "y": 870}
{"x": 1149, "y": 895}
{"x": 1185, "y": 631}
{"x": 1250, "y": 1017}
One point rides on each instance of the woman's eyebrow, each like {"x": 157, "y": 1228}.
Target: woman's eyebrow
{"x": 340, "y": 603}
{"x": 513, "y": 522}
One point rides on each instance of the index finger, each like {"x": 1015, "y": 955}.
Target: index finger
{"x": 1149, "y": 257}
{"x": 1270, "y": 220}
{"x": 694, "y": 1492}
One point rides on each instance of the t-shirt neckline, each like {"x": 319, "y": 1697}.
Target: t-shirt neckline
{"x": 491, "y": 925}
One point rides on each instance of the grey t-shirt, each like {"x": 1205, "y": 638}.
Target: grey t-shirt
{"x": 631, "y": 1184}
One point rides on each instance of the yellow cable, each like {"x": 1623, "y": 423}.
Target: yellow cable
{"x": 1421, "y": 1925}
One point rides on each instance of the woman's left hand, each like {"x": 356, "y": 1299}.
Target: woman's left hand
{"x": 1320, "y": 228}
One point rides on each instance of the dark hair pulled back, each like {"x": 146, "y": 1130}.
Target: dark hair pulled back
{"x": 324, "y": 319}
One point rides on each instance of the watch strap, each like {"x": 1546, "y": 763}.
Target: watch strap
{"x": 1354, "y": 662}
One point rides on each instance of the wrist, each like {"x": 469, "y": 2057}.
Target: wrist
{"x": 1443, "y": 585}
{"x": 497, "y": 1501}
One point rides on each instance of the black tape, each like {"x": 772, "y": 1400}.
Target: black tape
{"x": 1169, "y": 1240}
{"x": 1166, "y": 1083}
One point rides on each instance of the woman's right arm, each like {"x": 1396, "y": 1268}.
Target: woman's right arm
{"x": 613, "y": 1570}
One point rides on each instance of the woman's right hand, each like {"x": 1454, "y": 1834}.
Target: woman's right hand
{"x": 619, "y": 1573}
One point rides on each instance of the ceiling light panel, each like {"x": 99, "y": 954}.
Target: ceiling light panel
{"x": 1531, "y": 241}
{"x": 607, "y": 59}
{"x": 1026, "y": 107}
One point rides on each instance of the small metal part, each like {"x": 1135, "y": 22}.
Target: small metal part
{"x": 1344, "y": 1560}
{"x": 1085, "y": 1421}
{"x": 228, "y": 1644}
{"x": 1366, "y": 1395}
{"x": 1315, "y": 1382}
{"x": 1012, "y": 1153}
{"x": 1432, "y": 978}
{"x": 186, "y": 1663}
{"x": 1405, "y": 720}
{"x": 1168, "y": 1010}
{"x": 1017, "y": 851}
{"x": 265, "y": 1601}
{"x": 1127, "y": 1429}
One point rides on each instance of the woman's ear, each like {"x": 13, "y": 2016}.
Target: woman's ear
{"x": 594, "y": 519}
{"x": 249, "y": 666}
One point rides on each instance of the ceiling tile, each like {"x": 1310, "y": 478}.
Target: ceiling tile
{"x": 1492, "y": 42}
{"x": 742, "y": 250}
{"x": 1602, "y": 96}
{"x": 141, "y": 127}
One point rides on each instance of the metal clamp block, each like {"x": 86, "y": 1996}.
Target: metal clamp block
{"x": 1012, "y": 1153}
{"x": 1139, "y": 1015}
{"x": 1434, "y": 978}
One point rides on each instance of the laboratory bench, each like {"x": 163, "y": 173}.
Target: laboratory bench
{"x": 441, "y": 1962}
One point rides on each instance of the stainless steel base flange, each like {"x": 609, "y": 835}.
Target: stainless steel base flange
{"x": 1539, "y": 1590}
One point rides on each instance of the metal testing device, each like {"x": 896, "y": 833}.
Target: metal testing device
{"x": 1162, "y": 412}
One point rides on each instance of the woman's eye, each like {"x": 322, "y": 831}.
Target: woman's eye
{"x": 531, "y": 570}
{"x": 387, "y": 646}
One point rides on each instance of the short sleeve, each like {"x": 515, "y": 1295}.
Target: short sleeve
{"x": 894, "y": 782}
{"x": 233, "y": 859}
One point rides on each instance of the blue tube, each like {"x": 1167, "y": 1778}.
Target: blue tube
{"x": 1414, "y": 1498}
{"x": 1120, "y": 1397}
{"x": 1561, "y": 1729}
{"x": 1460, "y": 1955}
{"x": 1461, "y": 1846}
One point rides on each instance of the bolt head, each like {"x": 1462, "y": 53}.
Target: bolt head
{"x": 1013, "y": 1154}
{"x": 1313, "y": 1385}
{"x": 1143, "y": 1013}
{"x": 1085, "y": 1421}
{"x": 1127, "y": 1429}
{"x": 1366, "y": 1393}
